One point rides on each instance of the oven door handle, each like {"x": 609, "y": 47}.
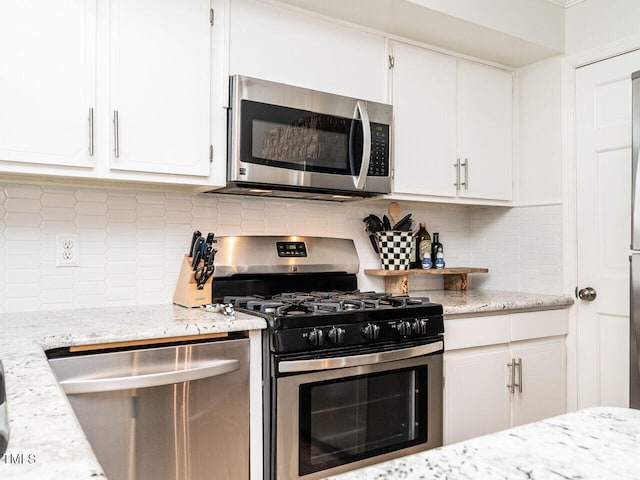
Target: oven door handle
{"x": 358, "y": 360}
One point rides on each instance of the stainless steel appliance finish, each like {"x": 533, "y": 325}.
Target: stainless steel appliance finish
{"x": 178, "y": 412}
{"x": 261, "y": 255}
{"x": 332, "y": 165}
{"x": 634, "y": 350}
{"x": 350, "y": 378}
{"x": 341, "y": 422}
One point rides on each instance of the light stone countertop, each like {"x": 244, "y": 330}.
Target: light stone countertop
{"x": 492, "y": 301}
{"x": 46, "y": 441}
{"x": 592, "y": 444}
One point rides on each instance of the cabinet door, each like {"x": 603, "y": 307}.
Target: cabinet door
{"x": 543, "y": 380}
{"x": 485, "y": 131}
{"x": 160, "y": 86}
{"x": 475, "y": 394}
{"x": 282, "y": 45}
{"x": 47, "y": 81}
{"x": 424, "y": 124}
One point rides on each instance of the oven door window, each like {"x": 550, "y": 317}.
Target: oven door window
{"x": 349, "y": 419}
{"x": 299, "y": 139}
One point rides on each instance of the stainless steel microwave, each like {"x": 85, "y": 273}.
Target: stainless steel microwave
{"x": 294, "y": 142}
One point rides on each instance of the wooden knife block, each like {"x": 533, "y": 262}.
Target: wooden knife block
{"x": 187, "y": 293}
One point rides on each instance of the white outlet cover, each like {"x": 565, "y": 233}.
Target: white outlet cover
{"x": 67, "y": 250}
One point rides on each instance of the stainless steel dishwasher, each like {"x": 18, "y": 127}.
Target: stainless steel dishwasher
{"x": 174, "y": 413}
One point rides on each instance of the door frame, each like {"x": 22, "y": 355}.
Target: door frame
{"x": 569, "y": 173}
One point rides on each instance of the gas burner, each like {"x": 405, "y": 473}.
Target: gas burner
{"x": 241, "y": 301}
{"x": 295, "y": 309}
{"x": 294, "y": 297}
{"x": 264, "y": 306}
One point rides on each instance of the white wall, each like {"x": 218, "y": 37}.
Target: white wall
{"x": 522, "y": 247}
{"x": 593, "y": 23}
{"x": 537, "y": 21}
{"x": 539, "y": 133}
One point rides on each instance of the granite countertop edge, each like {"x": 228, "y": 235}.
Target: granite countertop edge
{"x": 493, "y": 301}
{"x": 47, "y": 441}
{"x": 590, "y": 444}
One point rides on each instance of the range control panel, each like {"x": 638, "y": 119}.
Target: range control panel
{"x": 291, "y": 249}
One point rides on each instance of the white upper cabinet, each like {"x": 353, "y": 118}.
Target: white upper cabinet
{"x": 277, "y": 44}
{"x": 160, "y": 66}
{"x": 424, "y": 123}
{"x": 69, "y": 69}
{"x": 453, "y": 129}
{"x": 47, "y": 81}
{"x": 485, "y": 131}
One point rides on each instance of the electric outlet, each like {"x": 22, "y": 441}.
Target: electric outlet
{"x": 67, "y": 251}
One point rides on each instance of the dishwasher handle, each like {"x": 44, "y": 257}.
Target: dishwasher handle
{"x": 212, "y": 369}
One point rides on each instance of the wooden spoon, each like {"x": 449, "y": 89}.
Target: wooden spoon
{"x": 395, "y": 212}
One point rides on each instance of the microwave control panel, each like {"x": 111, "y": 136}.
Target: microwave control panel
{"x": 379, "y": 165}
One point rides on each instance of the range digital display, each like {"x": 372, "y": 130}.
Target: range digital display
{"x": 291, "y": 249}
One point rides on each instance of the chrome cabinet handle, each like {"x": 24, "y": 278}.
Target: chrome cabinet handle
{"x": 518, "y": 364}
{"x": 513, "y": 364}
{"x": 457, "y": 184}
{"x": 164, "y": 377}
{"x": 466, "y": 174}
{"x": 361, "y": 111}
{"x": 512, "y": 374}
{"x": 91, "y": 132}
{"x": 116, "y": 135}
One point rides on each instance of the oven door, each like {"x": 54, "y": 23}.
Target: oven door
{"x": 336, "y": 420}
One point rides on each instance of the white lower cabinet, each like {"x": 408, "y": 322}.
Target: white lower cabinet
{"x": 493, "y": 387}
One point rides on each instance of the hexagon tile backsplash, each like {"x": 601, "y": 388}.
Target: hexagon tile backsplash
{"x": 131, "y": 242}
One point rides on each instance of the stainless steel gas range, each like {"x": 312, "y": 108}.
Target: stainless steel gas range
{"x": 350, "y": 378}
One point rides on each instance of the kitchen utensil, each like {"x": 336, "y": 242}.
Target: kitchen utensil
{"x": 197, "y": 252}
{"x": 194, "y": 238}
{"x": 404, "y": 225}
{"x": 395, "y": 212}
{"x": 386, "y": 223}
{"x": 373, "y": 225}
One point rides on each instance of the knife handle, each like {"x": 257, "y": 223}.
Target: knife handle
{"x": 194, "y": 238}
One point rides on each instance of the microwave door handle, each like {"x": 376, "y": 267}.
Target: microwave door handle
{"x": 361, "y": 111}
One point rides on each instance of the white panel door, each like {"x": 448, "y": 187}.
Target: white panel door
{"x": 160, "y": 86}
{"x": 424, "y": 123}
{"x": 475, "y": 395}
{"x": 47, "y": 81}
{"x": 543, "y": 379}
{"x": 485, "y": 131}
{"x": 603, "y": 148}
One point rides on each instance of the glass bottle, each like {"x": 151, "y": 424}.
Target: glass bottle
{"x": 435, "y": 246}
{"x": 422, "y": 245}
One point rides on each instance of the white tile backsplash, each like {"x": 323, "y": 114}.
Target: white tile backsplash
{"x": 131, "y": 243}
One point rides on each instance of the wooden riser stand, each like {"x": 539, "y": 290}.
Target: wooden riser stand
{"x": 187, "y": 293}
{"x": 397, "y": 281}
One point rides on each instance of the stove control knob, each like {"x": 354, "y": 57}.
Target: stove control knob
{"x": 371, "y": 331}
{"x": 419, "y": 326}
{"x": 316, "y": 337}
{"x": 403, "y": 328}
{"x": 336, "y": 335}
